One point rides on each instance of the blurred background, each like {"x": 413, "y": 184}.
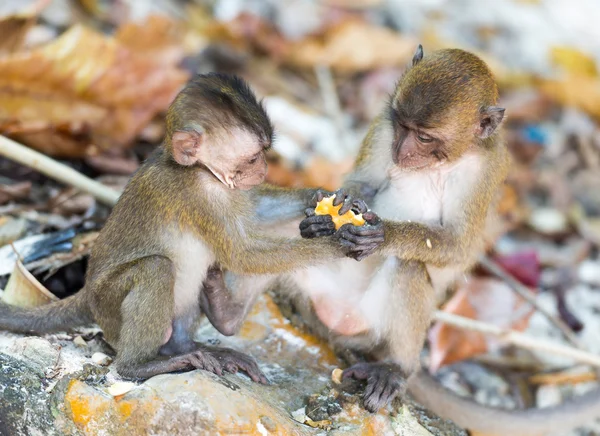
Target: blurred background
{"x": 87, "y": 82}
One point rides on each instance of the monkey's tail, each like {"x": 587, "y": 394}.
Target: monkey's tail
{"x": 555, "y": 420}
{"x": 59, "y": 315}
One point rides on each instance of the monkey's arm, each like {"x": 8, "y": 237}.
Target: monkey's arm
{"x": 274, "y": 204}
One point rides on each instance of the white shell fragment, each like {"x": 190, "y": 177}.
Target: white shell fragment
{"x": 428, "y": 242}
{"x": 299, "y": 415}
{"x": 120, "y": 388}
{"x": 336, "y": 376}
{"x": 79, "y": 341}
{"x": 101, "y": 359}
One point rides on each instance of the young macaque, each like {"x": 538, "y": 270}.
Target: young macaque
{"x": 431, "y": 166}
{"x": 189, "y": 207}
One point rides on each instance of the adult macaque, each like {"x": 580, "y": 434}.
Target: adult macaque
{"x": 433, "y": 161}
{"x": 188, "y": 207}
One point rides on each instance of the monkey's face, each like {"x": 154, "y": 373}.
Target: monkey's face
{"x": 237, "y": 158}
{"x": 415, "y": 148}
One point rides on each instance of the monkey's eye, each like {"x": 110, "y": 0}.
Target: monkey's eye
{"x": 424, "y": 138}
{"x": 253, "y": 160}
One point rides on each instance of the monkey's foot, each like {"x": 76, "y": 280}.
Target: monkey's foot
{"x": 233, "y": 361}
{"x": 385, "y": 381}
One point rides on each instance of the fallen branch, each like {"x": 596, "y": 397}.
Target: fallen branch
{"x": 530, "y": 297}
{"x": 57, "y": 171}
{"x": 518, "y": 339}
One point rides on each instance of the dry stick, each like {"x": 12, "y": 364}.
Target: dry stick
{"x": 530, "y": 297}
{"x": 517, "y": 338}
{"x": 55, "y": 170}
{"x": 331, "y": 103}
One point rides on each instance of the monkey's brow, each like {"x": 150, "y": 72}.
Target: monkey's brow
{"x": 267, "y": 145}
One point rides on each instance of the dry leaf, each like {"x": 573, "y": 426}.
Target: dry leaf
{"x": 14, "y": 28}
{"x": 484, "y": 299}
{"x": 24, "y": 290}
{"x": 84, "y": 90}
{"x": 353, "y": 46}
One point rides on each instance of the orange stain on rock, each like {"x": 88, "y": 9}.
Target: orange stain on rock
{"x": 327, "y": 356}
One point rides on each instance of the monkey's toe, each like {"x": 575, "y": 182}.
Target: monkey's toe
{"x": 234, "y": 361}
{"x": 384, "y": 383}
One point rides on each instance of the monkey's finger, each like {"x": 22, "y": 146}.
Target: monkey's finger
{"x": 324, "y": 221}
{"x": 362, "y": 240}
{"x": 391, "y": 391}
{"x": 318, "y": 234}
{"x": 309, "y": 211}
{"x": 372, "y": 382}
{"x": 377, "y": 391}
{"x": 360, "y": 206}
{"x": 371, "y": 218}
{"x": 365, "y": 230}
{"x": 340, "y": 197}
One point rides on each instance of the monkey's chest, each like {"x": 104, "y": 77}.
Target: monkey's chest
{"x": 191, "y": 258}
{"x": 416, "y": 197}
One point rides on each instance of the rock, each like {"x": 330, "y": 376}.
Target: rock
{"x": 40, "y": 353}
{"x": 301, "y": 394}
{"x": 24, "y": 405}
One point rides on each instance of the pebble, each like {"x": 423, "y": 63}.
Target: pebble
{"x": 120, "y": 388}
{"x": 79, "y": 341}
{"x": 101, "y": 359}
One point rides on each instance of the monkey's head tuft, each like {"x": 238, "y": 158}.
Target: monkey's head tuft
{"x": 217, "y": 122}
{"x": 444, "y": 103}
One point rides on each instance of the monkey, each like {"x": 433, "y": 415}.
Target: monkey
{"x": 189, "y": 207}
{"x": 431, "y": 166}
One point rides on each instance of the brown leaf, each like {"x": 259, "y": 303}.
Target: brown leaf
{"x": 483, "y": 299}
{"x": 14, "y": 28}
{"x": 84, "y": 90}
{"x": 353, "y": 46}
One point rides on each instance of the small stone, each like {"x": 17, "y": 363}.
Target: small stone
{"x": 336, "y": 376}
{"x": 299, "y": 415}
{"x": 548, "y": 221}
{"x": 120, "y": 388}
{"x": 589, "y": 272}
{"x": 79, "y": 341}
{"x": 547, "y": 396}
{"x": 37, "y": 351}
{"x": 101, "y": 359}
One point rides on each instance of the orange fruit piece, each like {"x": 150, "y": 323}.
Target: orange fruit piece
{"x": 326, "y": 207}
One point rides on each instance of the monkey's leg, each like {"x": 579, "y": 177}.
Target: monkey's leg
{"x": 147, "y": 314}
{"x": 181, "y": 340}
{"x": 226, "y": 305}
{"x": 410, "y": 304}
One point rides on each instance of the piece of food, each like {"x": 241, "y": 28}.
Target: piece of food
{"x": 326, "y": 207}
{"x": 336, "y": 376}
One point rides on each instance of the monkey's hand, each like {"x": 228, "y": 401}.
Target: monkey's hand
{"x": 314, "y": 226}
{"x": 360, "y": 242}
{"x": 341, "y": 197}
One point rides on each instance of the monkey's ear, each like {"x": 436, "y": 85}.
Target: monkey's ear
{"x": 491, "y": 117}
{"x": 186, "y": 146}
{"x": 418, "y": 55}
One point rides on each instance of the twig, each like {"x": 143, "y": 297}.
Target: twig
{"x": 331, "y": 102}
{"x": 530, "y": 297}
{"x": 563, "y": 377}
{"x": 517, "y": 338}
{"x": 55, "y": 170}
